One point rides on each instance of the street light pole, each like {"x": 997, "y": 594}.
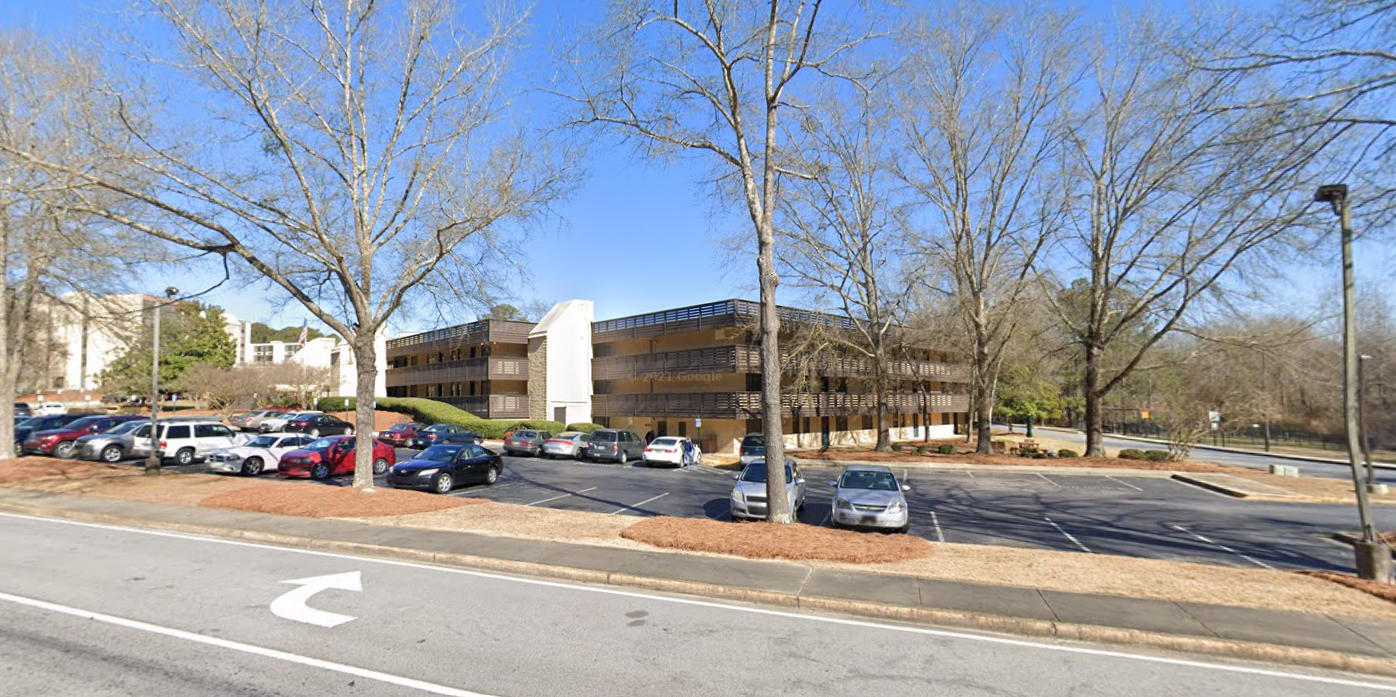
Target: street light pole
{"x": 152, "y": 460}
{"x": 1362, "y": 422}
{"x": 1373, "y": 557}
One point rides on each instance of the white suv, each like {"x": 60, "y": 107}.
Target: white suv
{"x": 185, "y": 441}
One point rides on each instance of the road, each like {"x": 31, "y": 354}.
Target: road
{"x": 1255, "y": 461}
{"x": 100, "y": 611}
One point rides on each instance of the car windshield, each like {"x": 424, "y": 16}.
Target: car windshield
{"x": 526, "y": 434}
{"x": 32, "y": 422}
{"x": 863, "y": 479}
{"x": 438, "y": 428}
{"x": 756, "y": 472}
{"x": 753, "y": 442}
{"x": 262, "y": 442}
{"x": 84, "y": 422}
{"x": 666, "y": 442}
{"x": 439, "y": 453}
{"x": 321, "y": 444}
{"x": 603, "y": 437}
{"x": 399, "y": 428}
{"x": 125, "y": 427}
{"x": 305, "y": 417}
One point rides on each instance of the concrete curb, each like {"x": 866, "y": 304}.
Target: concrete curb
{"x": 1270, "y": 653}
{"x": 1000, "y": 469}
{"x": 1213, "y": 486}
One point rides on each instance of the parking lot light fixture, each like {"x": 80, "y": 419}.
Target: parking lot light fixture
{"x": 152, "y": 460}
{"x": 1373, "y": 556}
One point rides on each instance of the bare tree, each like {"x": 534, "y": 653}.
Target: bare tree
{"x": 1171, "y": 193}
{"x": 836, "y": 230}
{"x": 981, "y": 111}
{"x": 300, "y": 382}
{"x": 715, "y": 78}
{"x": 354, "y": 150}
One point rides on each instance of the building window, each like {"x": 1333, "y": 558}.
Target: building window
{"x": 261, "y": 353}
{"x": 292, "y": 349}
{"x": 841, "y": 423}
{"x": 867, "y": 422}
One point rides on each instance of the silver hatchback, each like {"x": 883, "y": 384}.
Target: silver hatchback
{"x": 869, "y": 496}
{"x": 748, "y": 498}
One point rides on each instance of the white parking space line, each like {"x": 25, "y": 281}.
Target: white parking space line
{"x": 583, "y": 491}
{"x": 940, "y": 535}
{"x": 1044, "y": 478}
{"x": 1068, "y": 535}
{"x": 632, "y": 507}
{"x": 1124, "y": 483}
{"x": 1223, "y": 547}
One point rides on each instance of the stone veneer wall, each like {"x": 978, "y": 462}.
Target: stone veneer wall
{"x": 538, "y": 378}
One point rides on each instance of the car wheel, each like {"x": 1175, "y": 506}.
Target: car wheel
{"x": 252, "y": 466}
{"x": 623, "y": 457}
{"x": 111, "y": 453}
{"x": 320, "y": 471}
{"x": 491, "y": 475}
{"x": 314, "y": 433}
{"x": 380, "y": 465}
{"x": 184, "y": 456}
{"x": 64, "y": 449}
{"x": 444, "y": 483}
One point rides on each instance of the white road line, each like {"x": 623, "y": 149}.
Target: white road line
{"x": 827, "y": 516}
{"x": 753, "y": 610}
{"x": 583, "y": 491}
{"x": 632, "y": 507}
{"x": 1068, "y": 535}
{"x": 940, "y": 536}
{"x": 1124, "y": 483}
{"x": 262, "y": 651}
{"x": 1223, "y": 547}
{"x": 1044, "y": 477}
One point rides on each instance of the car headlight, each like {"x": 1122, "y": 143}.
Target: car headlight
{"x": 428, "y": 473}
{"x": 896, "y": 507}
{"x": 737, "y": 495}
{"x": 843, "y": 505}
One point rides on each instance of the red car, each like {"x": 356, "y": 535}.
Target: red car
{"x": 330, "y": 456}
{"x": 61, "y": 441}
{"x": 401, "y": 434}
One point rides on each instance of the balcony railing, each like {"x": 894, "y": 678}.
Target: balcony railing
{"x": 480, "y": 332}
{"x": 747, "y": 359}
{"x": 467, "y": 370}
{"x": 743, "y": 405}
{"x": 495, "y": 406}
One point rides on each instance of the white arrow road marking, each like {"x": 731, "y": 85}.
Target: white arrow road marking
{"x": 291, "y": 605}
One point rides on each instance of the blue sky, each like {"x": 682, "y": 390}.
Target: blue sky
{"x": 655, "y": 217}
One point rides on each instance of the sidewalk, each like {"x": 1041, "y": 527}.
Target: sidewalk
{"x": 1325, "y": 641}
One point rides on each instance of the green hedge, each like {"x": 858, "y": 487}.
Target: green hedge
{"x": 430, "y": 411}
{"x": 1157, "y": 456}
{"x": 946, "y": 449}
{"x": 337, "y": 404}
{"x": 1067, "y": 453}
{"x": 583, "y": 428}
{"x": 1132, "y": 454}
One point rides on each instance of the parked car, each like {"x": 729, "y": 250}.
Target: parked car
{"x": 253, "y": 419}
{"x": 62, "y": 441}
{"x": 614, "y": 444}
{"x": 569, "y": 444}
{"x": 401, "y": 435}
{"x": 444, "y": 433}
{"x": 109, "y": 446}
{"x": 526, "y": 441}
{"x": 441, "y": 467}
{"x": 325, "y": 457}
{"x": 753, "y": 448}
{"x": 319, "y": 425}
{"x": 277, "y": 424}
{"x": 749, "y": 495}
{"x": 50, "y": 409}
{"x": 261, "y": 454}
{"x": 869, "y": 496}
{"x": 43, "y": 423}
{"x": 187, "y": 441}
{"x": 669, "y": 450}
{"x": 22, "y": 410}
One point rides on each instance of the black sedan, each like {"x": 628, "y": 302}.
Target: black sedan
{"x": 317, "y": 425}
{"x": 441, "y": 467}
{"x": 440, "y": 434}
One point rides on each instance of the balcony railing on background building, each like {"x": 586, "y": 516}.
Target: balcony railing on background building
{"x": 466, "y": 370}
{"x": 495, "y": 406}
{"x": 747, "y": 359}
{"x": 481, "y": 332}
{"x": 744, "y": 405}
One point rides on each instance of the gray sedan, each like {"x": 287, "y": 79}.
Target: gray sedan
{"x": 869, "y": 496}
{"x": 569, "y": 445}
{"x": 748, "y": 500}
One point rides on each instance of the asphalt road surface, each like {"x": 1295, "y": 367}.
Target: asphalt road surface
{"x": 1256, "y": 461}
{"x": 100, "y": 611}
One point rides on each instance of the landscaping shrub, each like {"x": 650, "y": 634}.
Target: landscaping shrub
{"x": 583, "y": 427}
{"x": 896, "y": 447}
{"x": 1132, "y": 454}
{"x": 946, "y": 449}
{"x": 1067, "y": 453}
{"x": 920, "y": 450}
{"x": 1157, "y": 456}
{"x": 176, "y": 407}
{"x": 330, "y": 404}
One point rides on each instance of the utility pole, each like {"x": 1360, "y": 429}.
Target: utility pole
{"x": 1373, "y": 556}
{"x": 1362, "y": 422}
{"x": 152, "y": 460}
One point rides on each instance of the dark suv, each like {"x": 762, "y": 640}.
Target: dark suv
{"x": 615, "y": 445}
{"x": 753, "y": 448}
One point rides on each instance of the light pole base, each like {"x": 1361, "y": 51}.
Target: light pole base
{"x": 1373, "y": 561}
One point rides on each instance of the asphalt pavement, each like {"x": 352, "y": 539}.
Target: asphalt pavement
{"x": 97, "y": 611}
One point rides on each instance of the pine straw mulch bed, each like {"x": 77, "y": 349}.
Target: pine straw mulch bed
{"x": 1385, "y": 591}
{"x": 312, "y": 501}
{"x": 1003, "y": 460}
{"x": 759, "y": 540}
{"x": 24, "y": 469}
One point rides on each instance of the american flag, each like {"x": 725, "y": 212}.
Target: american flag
{"x": 305, "y": 333}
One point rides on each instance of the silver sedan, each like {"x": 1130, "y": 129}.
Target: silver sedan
{"x": 748, "y": 499}
{"x": 869, "y": 496}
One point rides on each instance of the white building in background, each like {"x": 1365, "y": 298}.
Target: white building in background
{"x": 559, "y": 359}
{"x": 344, "y": 370}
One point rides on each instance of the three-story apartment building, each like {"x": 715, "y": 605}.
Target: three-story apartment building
{"x": 481, "y": 367}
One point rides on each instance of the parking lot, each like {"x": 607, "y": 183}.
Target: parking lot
{"x": 1146, "y": 516}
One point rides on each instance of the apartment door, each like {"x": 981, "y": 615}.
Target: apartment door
{"x": 560, "y": 415}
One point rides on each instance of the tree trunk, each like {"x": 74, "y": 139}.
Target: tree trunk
{"x": 366, "y": 372}
{"x": 984, "y": 416}
{"x": 777, "y": 506}
{"x": 884, "y": 441}
{"x": 1094, "y": 401}
{"x": 8, "y": 355}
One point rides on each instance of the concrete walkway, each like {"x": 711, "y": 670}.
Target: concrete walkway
{"x": 1322, "y": 640}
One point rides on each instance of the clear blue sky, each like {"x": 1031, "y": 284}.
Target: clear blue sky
{"x": 655, "y": 212}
